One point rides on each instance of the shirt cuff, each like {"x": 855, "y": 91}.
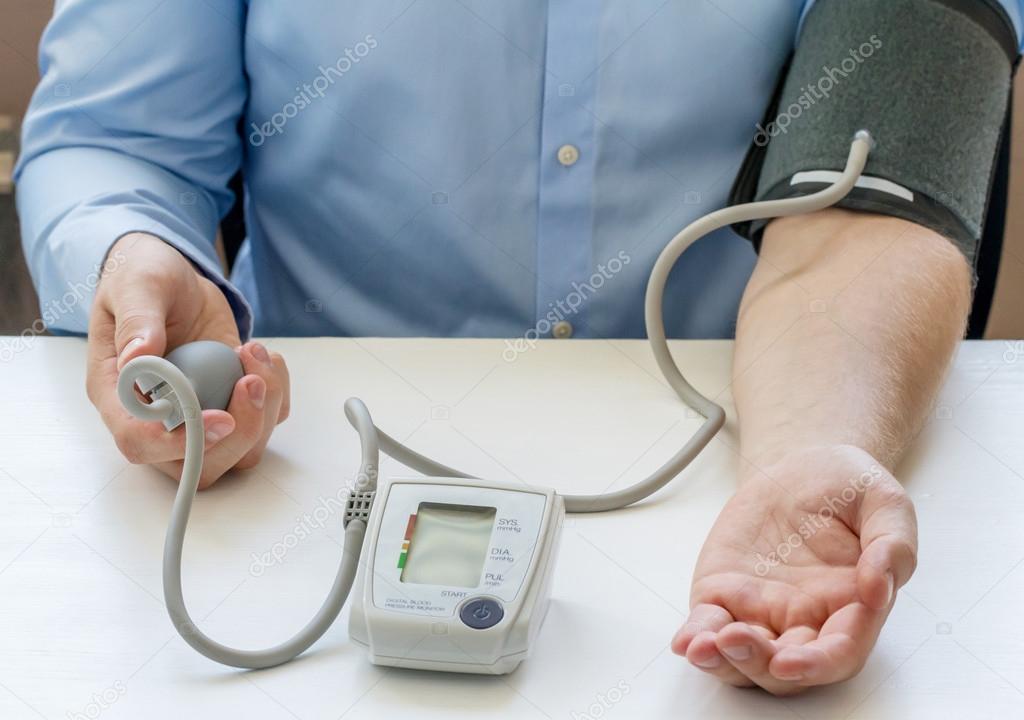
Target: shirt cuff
{"x": 79, "y": 251}
{"x": 240, "y": 307}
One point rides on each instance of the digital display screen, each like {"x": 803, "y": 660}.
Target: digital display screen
{"x": 447, "y": 544}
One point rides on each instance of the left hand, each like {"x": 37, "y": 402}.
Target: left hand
{"x": 154, "y": 300}
{"x": 799, "y": 572}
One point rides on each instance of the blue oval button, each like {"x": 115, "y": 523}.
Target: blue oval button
{"x": 481, "y": 613}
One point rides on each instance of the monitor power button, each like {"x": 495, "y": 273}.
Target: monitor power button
{"x": 481, "y": 613}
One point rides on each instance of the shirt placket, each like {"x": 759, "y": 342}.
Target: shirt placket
{"x": 567, "y": 166}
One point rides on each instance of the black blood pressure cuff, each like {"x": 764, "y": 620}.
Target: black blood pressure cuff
{"x": 929, "y": 79}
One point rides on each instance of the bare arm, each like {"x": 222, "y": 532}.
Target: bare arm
{"x": 845, "y": 332}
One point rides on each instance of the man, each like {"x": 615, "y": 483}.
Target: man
{"x": 461, "y": 168}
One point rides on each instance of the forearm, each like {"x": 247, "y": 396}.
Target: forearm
{"x": 147, "y": 145}
{"x": 845, "y": 333}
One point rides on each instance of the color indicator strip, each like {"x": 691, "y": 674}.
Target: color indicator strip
{"x": 410, "y": 526}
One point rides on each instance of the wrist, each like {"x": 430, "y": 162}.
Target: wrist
{"x": 132, "y": 243}
{"x": 151, "y": 258}
{"x": 783, "y": 460}
{"x": 139, "y": 244}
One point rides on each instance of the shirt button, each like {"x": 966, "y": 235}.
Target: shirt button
{"x": 562, "y": 330}
{"x": 568, "y": 155}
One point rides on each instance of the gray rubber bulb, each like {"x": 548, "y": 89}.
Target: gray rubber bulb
{"x": 212, "y": 368}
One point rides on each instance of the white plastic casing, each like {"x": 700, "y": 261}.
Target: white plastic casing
{"x": 416, "y": 625}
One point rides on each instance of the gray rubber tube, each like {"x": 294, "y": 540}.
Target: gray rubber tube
{"x": 714, "y": 415}
{"x": 175, "y": 538}
{"x": 373, "y": 440}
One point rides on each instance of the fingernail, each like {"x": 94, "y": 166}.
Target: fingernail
{"x": 257, "y": 392}
{"x": 740, "y": 652}
{"x": 132, "y": 344}
{"x": 712, "y": 662}
{"x": 795, "y": 677}
{"x": 890, "y": 582}
{"x": 217, "y": 432}
{"x": 260, "y": 353}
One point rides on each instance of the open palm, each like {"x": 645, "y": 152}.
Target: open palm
{"x": 799, "y": 572}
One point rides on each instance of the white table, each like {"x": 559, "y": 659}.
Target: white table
{"x": 82, "y": 624}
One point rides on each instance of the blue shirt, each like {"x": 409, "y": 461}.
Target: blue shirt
{"x": 412, "y": 167}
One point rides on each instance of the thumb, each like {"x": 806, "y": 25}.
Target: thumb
{"x": 888, "y": 541}
{"x": 140, "y": 323}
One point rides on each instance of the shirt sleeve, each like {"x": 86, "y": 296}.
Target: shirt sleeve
{"x": 133, "y": 128}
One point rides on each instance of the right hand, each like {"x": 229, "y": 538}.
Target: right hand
{"x": 800, "y": 571}
{"x": 150, "y": 301}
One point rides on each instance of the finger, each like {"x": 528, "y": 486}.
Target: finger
{"x": 838, "y": 653}
{"x": 695, "y": 640}
{"x": 102, "y": 366}
{"x": 797, "y": 635}
{"x": 114, "y": 331}
{"x": 703, "y": 617}
{"x": 140, "y": 321}
{"x": 286, "y": 386}
{"x": 750, "y": 651}
{"x": 248, "y": 430}
{"x": 143, "y": 443}
{"x": 268, "y": 395}
{"x": 888, "y": 537}
{"x": 270, "y": 404}
{"x": 703, "y": 654}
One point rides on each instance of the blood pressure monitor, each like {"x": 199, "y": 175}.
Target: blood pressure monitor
{"x": 450, "y": 572}
{"x": 455, "y": 574}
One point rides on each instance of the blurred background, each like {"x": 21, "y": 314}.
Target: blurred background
{"x": 1000, "y": 298}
